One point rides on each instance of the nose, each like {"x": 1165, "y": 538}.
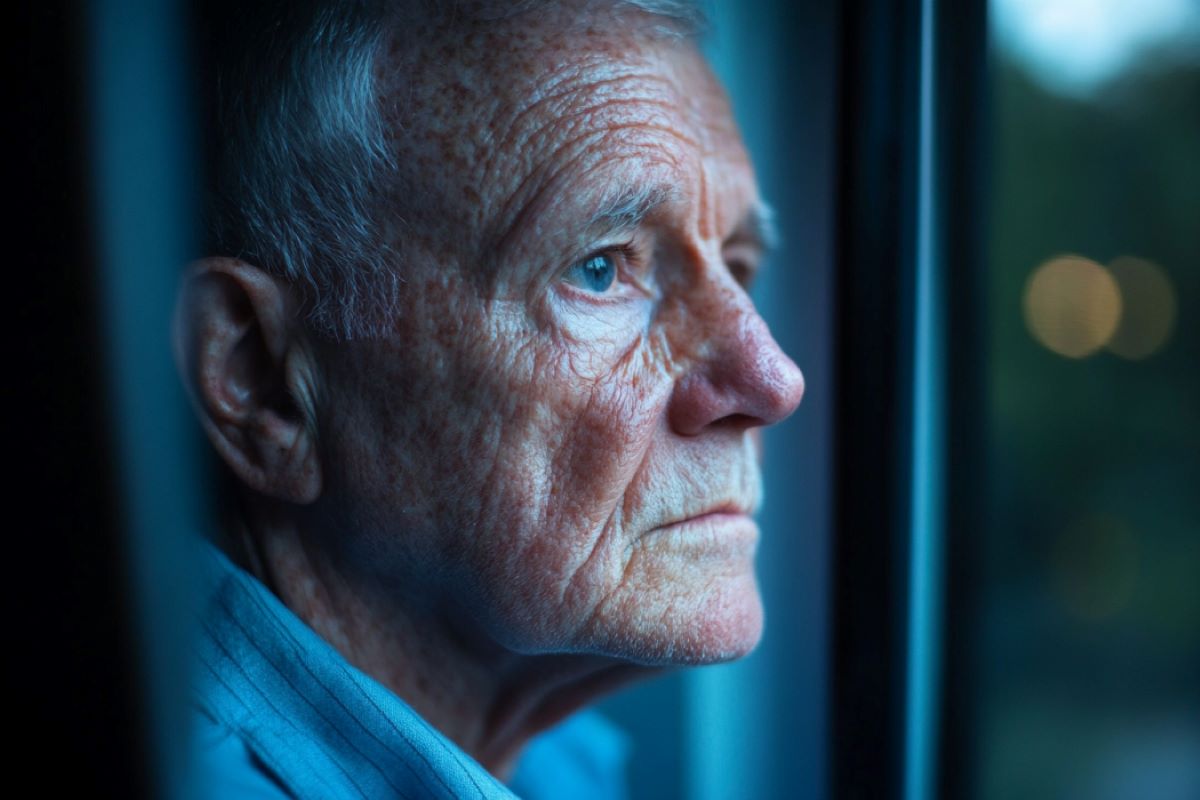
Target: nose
{"x": 738, "y": 376}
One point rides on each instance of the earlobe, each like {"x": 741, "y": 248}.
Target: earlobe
{"x": 250, "y": 376}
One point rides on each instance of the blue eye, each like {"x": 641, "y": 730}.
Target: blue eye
{"x": 595, "y": 273}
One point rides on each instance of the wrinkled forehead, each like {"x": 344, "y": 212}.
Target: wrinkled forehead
{"x": 485, "y": 115}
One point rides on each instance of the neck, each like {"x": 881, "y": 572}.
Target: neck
{"x": 488, "y": 700}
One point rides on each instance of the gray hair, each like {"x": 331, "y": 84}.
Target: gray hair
{"x": 299, "y": 159}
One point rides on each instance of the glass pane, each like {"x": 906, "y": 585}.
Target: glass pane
{"x": 1088, "y": 646}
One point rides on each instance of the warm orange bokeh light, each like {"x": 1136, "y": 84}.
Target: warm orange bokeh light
{"x": 1072, "y": 305}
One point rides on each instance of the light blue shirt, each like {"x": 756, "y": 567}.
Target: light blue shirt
{"x": 280, "y": 713}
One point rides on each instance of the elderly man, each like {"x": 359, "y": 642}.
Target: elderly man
{"x": 476, "y": 347}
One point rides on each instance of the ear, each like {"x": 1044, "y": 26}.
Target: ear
{"x": 250, "y": 375}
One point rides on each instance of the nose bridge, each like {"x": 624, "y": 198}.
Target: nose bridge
{"x": 734, "y": 370}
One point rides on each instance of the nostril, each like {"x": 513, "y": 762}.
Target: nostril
{"x": 738, "y": 394}
{"x": 740, "y": 421}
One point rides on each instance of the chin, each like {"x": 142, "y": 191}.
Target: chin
{"x": 728, "y": 625}
{"x": 724, "y": 622}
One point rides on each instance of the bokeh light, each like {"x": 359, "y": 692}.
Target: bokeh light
{"x": 1072, "y": 305}
{"x": 1148, "y": 307}
{"x": 1074, "y": 47}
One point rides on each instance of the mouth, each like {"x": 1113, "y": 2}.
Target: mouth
{"x": 726, "y": 533}
{"x": 728, "y": 512}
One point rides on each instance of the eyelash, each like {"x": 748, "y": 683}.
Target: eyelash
{"x": 628, "y": 258}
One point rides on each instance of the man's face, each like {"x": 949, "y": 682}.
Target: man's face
{"x": 554, "y": 449}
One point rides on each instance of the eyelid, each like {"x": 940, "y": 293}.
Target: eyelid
{"x": 744, "y": 261}
{"x": 631, "y": 266}
{"x": 743, "y": 273}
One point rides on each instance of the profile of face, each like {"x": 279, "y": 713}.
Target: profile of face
{"x": 554, "y": 448}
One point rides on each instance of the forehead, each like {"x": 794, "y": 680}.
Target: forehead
{"x": 491, "y": 115}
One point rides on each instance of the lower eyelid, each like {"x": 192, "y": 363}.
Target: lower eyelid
{"x": 609, "y": 297}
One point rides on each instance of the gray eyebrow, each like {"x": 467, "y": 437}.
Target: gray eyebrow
{"x": 626, "y": 208}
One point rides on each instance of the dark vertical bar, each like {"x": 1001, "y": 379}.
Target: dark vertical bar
{"x": 879, "y": 469}
{"x": 71, "y": 662}
{"x": 963, "y": 90}
{"x": 877, "y": 141}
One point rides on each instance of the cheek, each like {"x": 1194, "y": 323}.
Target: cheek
{"x": 411, "y": 444}
{"x": 687, "y": 593}
{"x": 564, "y": 514}
{"x": 582, "y": 476}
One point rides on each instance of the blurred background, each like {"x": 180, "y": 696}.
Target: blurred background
{"x": 981, "y": 551}
{"x": 1087, "y": 617}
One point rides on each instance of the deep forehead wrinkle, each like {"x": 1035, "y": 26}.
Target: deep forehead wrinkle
{"x": 628, "y": 152}
{"x": 506, "y": 121}
{"x": 601, "y": 99}
{"x": 587, "y": 108}
{"x": 628, "y": 192}
{"x": 600, "y": 114}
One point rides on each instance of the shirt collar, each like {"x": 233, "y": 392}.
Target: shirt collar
{"x": 323, "y": 727}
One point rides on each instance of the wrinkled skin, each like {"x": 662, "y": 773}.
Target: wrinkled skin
{"x": 533, "y": 482}
{"x": 512, "y": 453}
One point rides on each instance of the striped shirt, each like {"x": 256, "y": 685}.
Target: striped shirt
{"x": 280, "y": 713}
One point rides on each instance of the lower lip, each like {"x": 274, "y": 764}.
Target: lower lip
{"x": 720, "y": 529}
